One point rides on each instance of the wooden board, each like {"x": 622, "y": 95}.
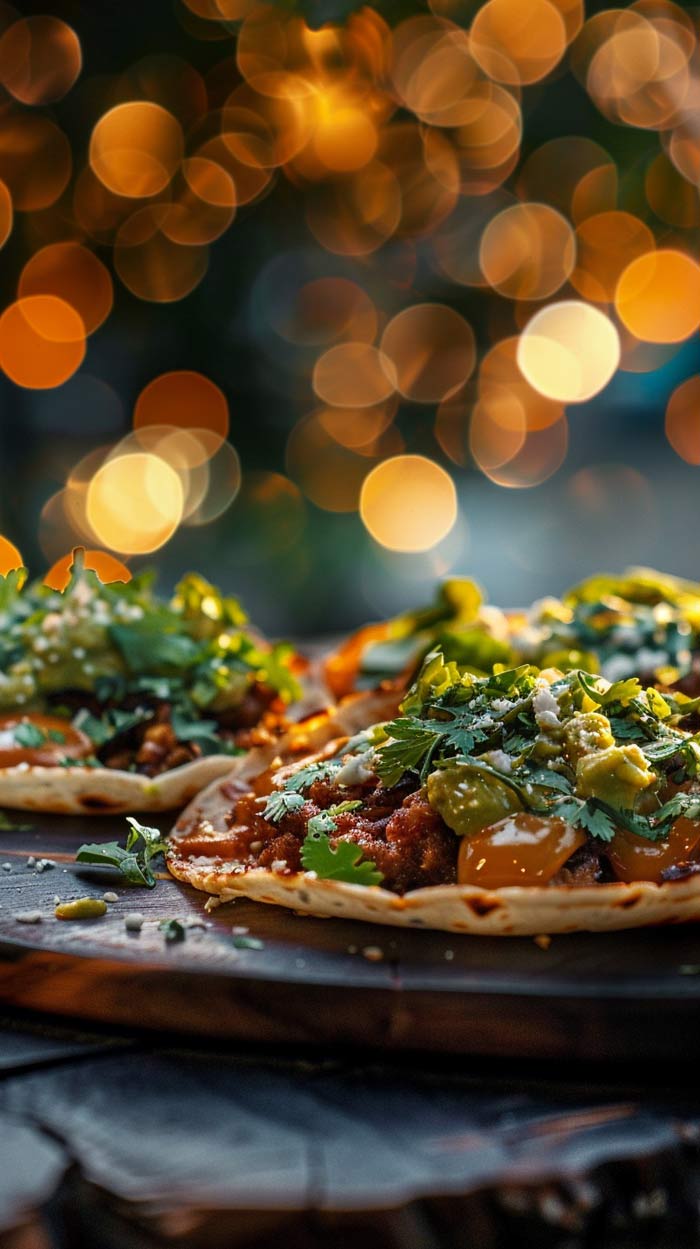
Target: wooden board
{"x": 318, "y": 981}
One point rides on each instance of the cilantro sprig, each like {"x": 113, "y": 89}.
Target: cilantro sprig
{"x": 133, "y": 860}
{"x": 345, "y": 861}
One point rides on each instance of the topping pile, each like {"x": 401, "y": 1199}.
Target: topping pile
{"x": 111, "y": 675}
{"x": 526, "y": 776}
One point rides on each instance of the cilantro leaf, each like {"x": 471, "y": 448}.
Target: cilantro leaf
{"x": 344, "y": 863}
{"x": 305, "y": 777}
{"x": 546, "y": 778}
{"x": 324, "y": 822}
{"x": 409, "y": 750}
{"x": 173, "y": 930}
{"x": 586, "y": 814}
{"x": 280, "y": 803}
{"x": 29, "y": 735}
{"x": 134, "y": 859}
{"x": 145, "y": 646}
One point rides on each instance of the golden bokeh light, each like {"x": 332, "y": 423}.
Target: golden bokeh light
{"x": 527, "y": 251}
{"x": 476, "y": 157}
{"x": 42, "y": 341}
{"x": 456, "y": 243}
{"x": 135, "y": 503}
{"x": 10, "y": 557}
{"x": 568, "y": 171}
{"x": 345, "y": 138}
{"x": 107, "y": 567}
{"x": 150, "y": 264}
{"x": 427, "y": 189}
{"x": 408, "y": 503}
{"x": 223, "y": 484}
{"x": 189, "y": 401}
{"x": 6, "y": 214}
{"x": 135, "y": 148}
{"x": 203, "y": 203}
{"x": 329, "y": 474}
{"x": 606, "y": 243}
{"x": 75, "y": 275}
{"x": 518, "y": 44}
{"x": 506, "y": 395}
{"x": 40, "y": 59}
{"x": 569, "y": 351}
{"x": 658, "y": 296}
{"x": 325, "y": 310}
{"x": 353, "y": 375}
{"x": 683, "y": 420}
{"x": 35, "y": 160}
{"x": 356, "y": 214}
{"x": 538, "y": 458}
{"x": 432, "y": 351}
{"x": 356, "y": 428}
{"x": 497, "y": 429}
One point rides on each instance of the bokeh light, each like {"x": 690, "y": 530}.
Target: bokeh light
{"x": 10, "y": 557}
{"x": 658, "y": 296}
{"x": 35, "y": 160}
{"x": 42, "y": 341}
{"x": 107, "y": 567}
{"x": 683, "y": 420}
{"x": 569, "y": 351}
{"x": 135, "y": 503}
{"x": 74, "y": 275}
{"x": 191, "y": 402}
{"x": 527, "y": 251}
{"x": 431, "y": 350}
{"x": 518, "y": 44}
{"x": 408, "y": 503}
{"x": 135, "y": 148}
{"x": 354, "y": 375}
{"x": 606, "y": 244}
{"x": 40, "y": 59}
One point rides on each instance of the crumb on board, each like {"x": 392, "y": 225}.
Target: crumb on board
{"x": 212, "y": 903}
{"x": 7, "y": 867}
{"x": 543, "y": 941}
{"x": 28, "y": 917}
{"x": 110, "y": 896}
{"x": 373, "y": 953}
{"x": 240, "y": 930}
{"x": 31, "y": 861}
{"x": 134, "y": 921}
{"x": 81, "y": 908}
{"x": 448, "y": 955}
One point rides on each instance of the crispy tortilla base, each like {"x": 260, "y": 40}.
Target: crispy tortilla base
{"x": 515, "y": 911}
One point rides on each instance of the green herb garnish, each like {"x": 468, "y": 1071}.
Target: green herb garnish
{"x": 281, "y": 803}
{"x": 133, "y": 860}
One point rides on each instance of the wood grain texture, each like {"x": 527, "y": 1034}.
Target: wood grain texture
{"x": 314, "y": 981}
{"x": 201, "y": 1148}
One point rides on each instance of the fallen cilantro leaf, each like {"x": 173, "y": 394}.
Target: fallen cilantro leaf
{"x": 324, "y": 822}
{"x": 279, "y": 804}
{"x": 173, "y": 930}
{"x": 29, "y": 735}
{"x": 343, "y": 863}
{"x": 134, "y": 859}
{"x": 248, "y": 943}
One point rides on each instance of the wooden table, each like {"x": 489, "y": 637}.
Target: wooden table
{"x": 251, "y": 1113}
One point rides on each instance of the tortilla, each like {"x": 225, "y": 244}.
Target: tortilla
{"x": 514, "y": 911}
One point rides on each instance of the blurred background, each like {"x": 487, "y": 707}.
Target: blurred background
{"x": 328, "y": 302}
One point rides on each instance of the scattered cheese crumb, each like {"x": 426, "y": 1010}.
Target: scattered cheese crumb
{"x": 543, "y": 941}
{"x": 28, "y": 917}
{"x": 212, "y": 903}
{"x": 373, "y": 953}
{"x": 545, "y": 706}
{"x": 240, "y": 930}
{"x": 31, "y": 861}
{"x": 449, "y": 955}
{"x": 195, "y": 921}
{"x": 279, "y": 865}
{"x": 7, "y": 867}
{"x": 134, "y": 921}
{"x": 56, "y": 899}
{"x": 110, "y": 896}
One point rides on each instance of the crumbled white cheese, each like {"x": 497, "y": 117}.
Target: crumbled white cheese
{"x": 28, "y": 917}
{"x": 356, "y": 770}
{"x": 279, "y": 865}
{"x": 545, "y": 707}
{"x": 7, "y": 867}
{"x": 31, "y": 861}
{"x": 134, "y": 921}
{"x": 498, "y": 759}
{"x": 110, "y": 896}
{"x": 373, "y": 953}
{"x": 502, "y": 705}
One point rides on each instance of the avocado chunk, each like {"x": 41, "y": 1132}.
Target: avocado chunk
{"x": 586, "y": 733}
{"x": 469, "y": 799}
{"x": 616, "y": 775}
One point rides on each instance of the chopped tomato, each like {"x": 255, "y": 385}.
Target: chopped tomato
{"x": 522, "y": 849}
{"x": 636, "y": 858}
{"x": 59, "y": 741}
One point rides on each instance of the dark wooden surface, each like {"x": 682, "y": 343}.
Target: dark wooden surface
{"x": 315, "y": 982}
{"x": 202, "y": 1096}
